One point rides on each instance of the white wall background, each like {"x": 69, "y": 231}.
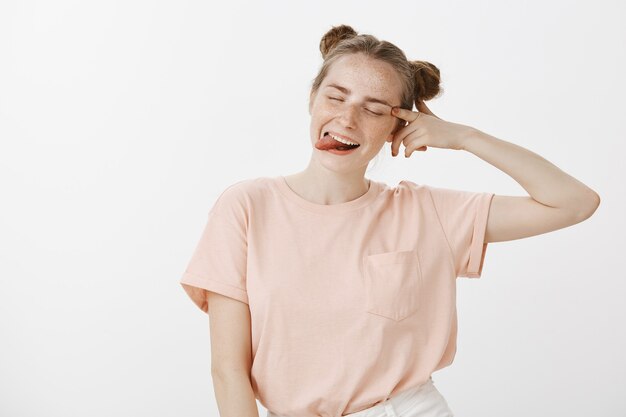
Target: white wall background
{"x": 121, "y": 122}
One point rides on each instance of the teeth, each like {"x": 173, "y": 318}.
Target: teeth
{"x": 347, "y": 142}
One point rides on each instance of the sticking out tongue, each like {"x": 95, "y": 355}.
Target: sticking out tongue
{"x": 327, "y": 142}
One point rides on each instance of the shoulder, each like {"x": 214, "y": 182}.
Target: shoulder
{"x": 407, "y": 189}
{"x": 426, "y": 195}
{"x": 405, "y": 196}
{"x": 436, "y": 192}
{"x": 242, "y": 193}
{"x": 249, "y": 187}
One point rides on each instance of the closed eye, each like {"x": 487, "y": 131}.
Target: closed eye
{"x": 338, "y": 99}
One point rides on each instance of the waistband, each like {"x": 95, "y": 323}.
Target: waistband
{"x": 400, "y": 402}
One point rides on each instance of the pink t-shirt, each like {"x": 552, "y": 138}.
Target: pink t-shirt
{"x": 350, "y": 303}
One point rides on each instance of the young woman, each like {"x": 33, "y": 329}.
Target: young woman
{"x": 331, "y": 294}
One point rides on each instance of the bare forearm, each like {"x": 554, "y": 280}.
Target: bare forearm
{"x": 234, "y": 395}
{"x": 545, "y": 182}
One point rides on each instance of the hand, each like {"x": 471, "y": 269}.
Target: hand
{"x": 425, "y": 129}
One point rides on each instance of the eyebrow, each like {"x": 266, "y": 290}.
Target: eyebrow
{"x": 367, "y": 98}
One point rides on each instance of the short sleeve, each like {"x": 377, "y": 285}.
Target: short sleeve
{"x": 219, "y": 260}
{"x": 463, "y": 216}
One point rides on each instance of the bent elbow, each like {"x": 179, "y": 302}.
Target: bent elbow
{"x": 589, "y": 207}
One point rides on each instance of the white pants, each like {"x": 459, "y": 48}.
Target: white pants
{"x": 422, "y": 401}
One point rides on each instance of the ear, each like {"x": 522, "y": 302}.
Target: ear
{"x": 311, "y": 100}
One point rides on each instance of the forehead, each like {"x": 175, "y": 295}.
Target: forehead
{"x": 365, "y": 76}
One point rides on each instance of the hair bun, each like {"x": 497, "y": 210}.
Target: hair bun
{"x": 427, "y": 80}
{"x": 334, "y": 36}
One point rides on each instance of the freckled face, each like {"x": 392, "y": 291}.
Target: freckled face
{"x": 343, "y": 104}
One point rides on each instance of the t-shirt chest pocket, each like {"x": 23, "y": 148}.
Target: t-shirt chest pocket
{"x": 392, "y": 283}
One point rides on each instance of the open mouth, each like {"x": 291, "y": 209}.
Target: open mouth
{"x": 339, "y": 143}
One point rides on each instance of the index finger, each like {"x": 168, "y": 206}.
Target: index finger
{"x": 404, "y": 114}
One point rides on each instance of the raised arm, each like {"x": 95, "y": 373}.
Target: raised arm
{"x": 556, "y": 199}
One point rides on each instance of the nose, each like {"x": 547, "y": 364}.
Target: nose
{"x": 348, "y": 115}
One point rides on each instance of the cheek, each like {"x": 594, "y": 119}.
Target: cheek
{"x": 327, "y": 109}
{"x": 385, "y": 127}
{"x": 320, "y": 111}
